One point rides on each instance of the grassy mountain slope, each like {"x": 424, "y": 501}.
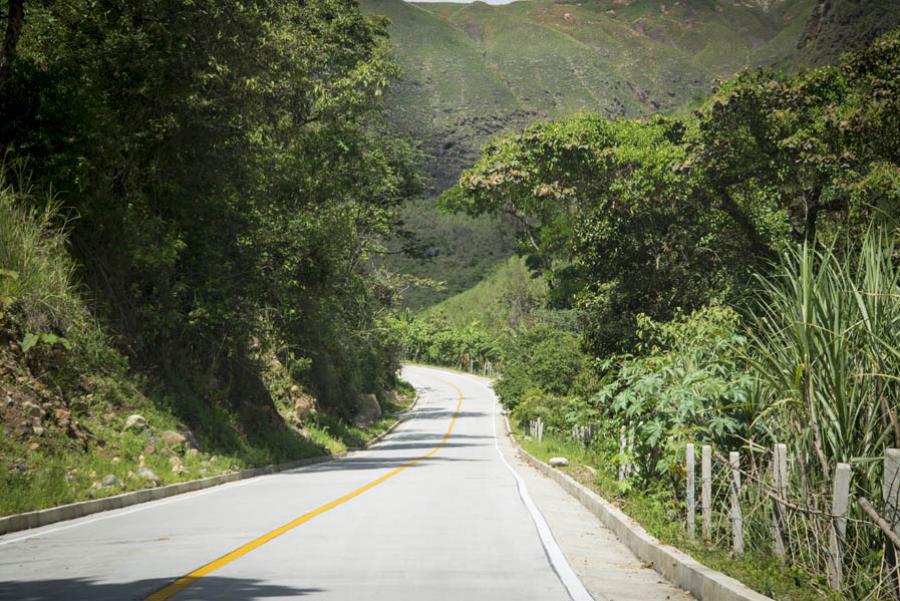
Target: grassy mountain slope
{"x": 460, "y": 249}
{"x": 506, "y": 298}
{"x": 836, "y": 26}
{"x": 474, "y": 70}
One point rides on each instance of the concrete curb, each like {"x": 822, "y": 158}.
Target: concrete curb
{"x": 43, "y": 517}
{"x": 678, "y": 567}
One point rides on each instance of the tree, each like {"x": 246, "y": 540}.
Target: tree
{"x": 15, "y": 15}
{"x": 228, "y": 167}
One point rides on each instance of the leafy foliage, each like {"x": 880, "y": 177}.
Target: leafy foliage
{"x": 433, "y": 340}
{"x": 230, "y": 175}
{"x": 630, "y": 217}
{"x": 544, "y": 359}
{"x": 685, "y": 382}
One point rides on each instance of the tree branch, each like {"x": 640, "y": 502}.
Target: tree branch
{"x": 759, "y": 246}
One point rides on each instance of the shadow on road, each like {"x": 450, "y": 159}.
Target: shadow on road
{"x": 446, "y": 414}
{"x": 434, "y": 437}
{"x": 210, "y": 587}
{"x": 377, "y": 463}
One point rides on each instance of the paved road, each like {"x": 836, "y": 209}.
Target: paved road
{"x": 433, "y": 512}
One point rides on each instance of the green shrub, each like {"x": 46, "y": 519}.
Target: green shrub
{"x": 684, "y": 383}
{"x": 35, "y": 269}
{"x": 543, "y": 358}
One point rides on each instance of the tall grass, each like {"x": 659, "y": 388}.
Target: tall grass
{"x": 826, "y": 338}
{"x": 825, "y": 343}
{"x": 36, "y": 272}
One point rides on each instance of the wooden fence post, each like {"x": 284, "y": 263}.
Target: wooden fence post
{"x": 632, "y": 468}
{"x": 540, "y": 429}
{"x": 891, "y": 491}
{"x": 623, "y": 441}
{"x": 737, "y": 520}
{"x": 706, "y": 489}
{"x": 691, "y": 486}
{"x": 840, "y": 499}
{"x": 779, "y": 483}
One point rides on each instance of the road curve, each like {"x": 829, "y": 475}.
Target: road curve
{"x": 432, "y": 512}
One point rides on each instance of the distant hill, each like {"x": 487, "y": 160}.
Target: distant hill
{"x": 474, "y": 70}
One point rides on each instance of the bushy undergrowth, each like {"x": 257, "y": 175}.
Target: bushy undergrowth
{"x": 66, "y": 392}
{"x": 35, "y": 268}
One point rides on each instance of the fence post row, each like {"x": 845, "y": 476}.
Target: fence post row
{"x": 840, "y": 499}
{"x": 779, "y": 483}
{"x": 737, "y": 521}
{"x": 689, "y": 497}
{"x": 891, "y": 491}
{"x": 706, "y": 489}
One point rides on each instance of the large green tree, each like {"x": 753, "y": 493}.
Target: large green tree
{"x": 630, "y": 217}
{"x": 228, "y": 171}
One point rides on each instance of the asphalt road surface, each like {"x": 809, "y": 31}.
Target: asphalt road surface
{"x": 435, "y": 511}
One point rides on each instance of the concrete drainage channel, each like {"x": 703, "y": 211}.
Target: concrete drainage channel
{"x": 44, "y": 517}
{"x": 678, "y": 567}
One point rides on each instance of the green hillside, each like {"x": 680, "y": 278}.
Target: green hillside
{"x": 471, "y": 71}
{"x": 460, "y": 250}
{"x": 507, "y": 298}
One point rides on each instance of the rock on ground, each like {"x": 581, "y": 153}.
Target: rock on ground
{"x": 135, "y": 422}
{"x": 147, "y": 474}
{"x": 172, "y": 438}
{"x": 367, "y": 410}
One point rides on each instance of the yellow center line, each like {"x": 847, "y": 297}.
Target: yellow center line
{"x": 188, "y": 579}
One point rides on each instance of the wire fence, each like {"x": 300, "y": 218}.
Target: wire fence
{"x": 848, "y": 544}
{"x": 767, "y": 500}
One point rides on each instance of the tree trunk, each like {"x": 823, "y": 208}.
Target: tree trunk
{"x": 14, "y": 18}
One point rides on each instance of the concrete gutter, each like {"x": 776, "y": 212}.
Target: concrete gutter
{"x": 43, "y": 517}
{"x": 678, "y": 567}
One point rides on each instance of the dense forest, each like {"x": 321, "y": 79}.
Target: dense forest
{"x": 729, "y": 278}
{"x": 191, "y": 195}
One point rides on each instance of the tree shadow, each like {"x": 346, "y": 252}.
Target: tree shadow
{"x": 438, "y": 413}
{"x": 423, "y": 445}
{"x": 377, "y": 463}
{"x": 209, "y": 587}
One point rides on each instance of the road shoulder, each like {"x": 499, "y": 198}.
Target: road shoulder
{"x": 605, "y": 565}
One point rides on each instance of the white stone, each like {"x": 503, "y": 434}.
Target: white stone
{"x": 135, "y": 422}
{"x": 147, "y": 474}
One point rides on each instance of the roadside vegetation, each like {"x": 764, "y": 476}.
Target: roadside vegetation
{"x": 727, "y": 278}
{"x": 190, "y": 199}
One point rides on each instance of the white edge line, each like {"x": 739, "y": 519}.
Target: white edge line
{"x": 111, "y": 514}
{"x": 558, "y": 561}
